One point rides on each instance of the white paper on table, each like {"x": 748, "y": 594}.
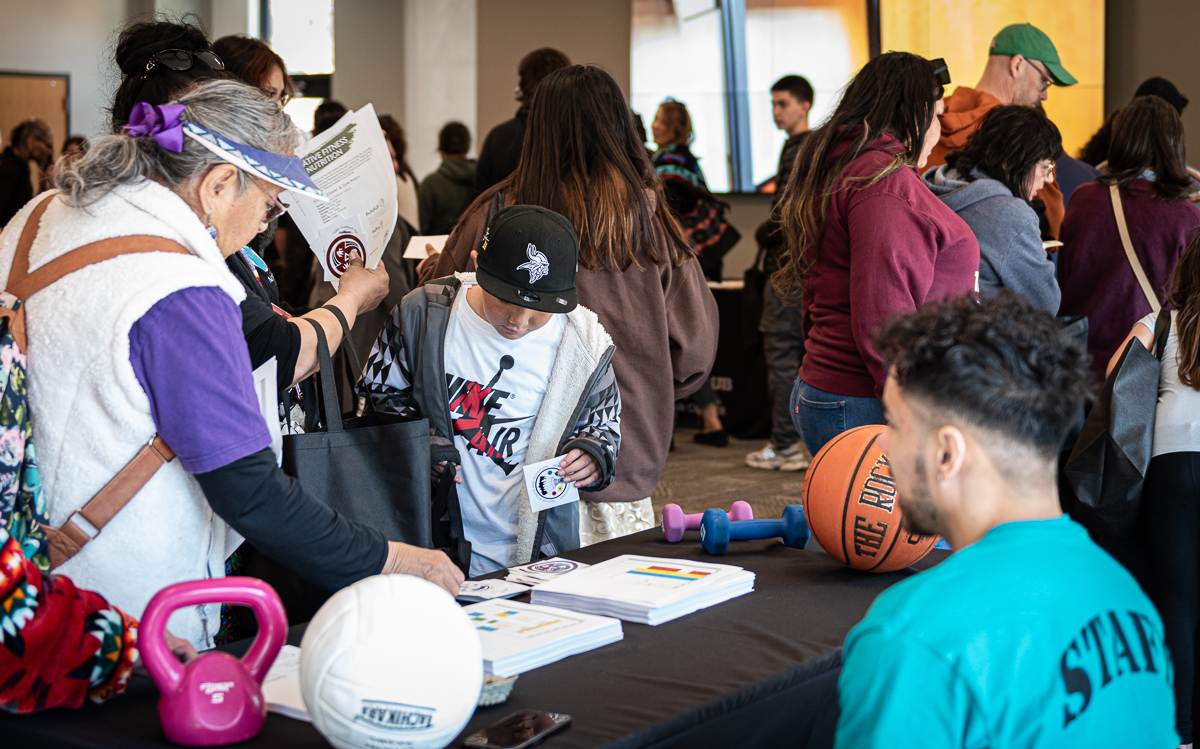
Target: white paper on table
{"x": 546, "y": 488}
{"x": 415, "y": 250}
{"x": 351, "y": 164}
{"x": 484, "y": 590}
{"x": 281, "y": 688}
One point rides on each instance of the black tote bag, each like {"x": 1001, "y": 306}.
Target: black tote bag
{"x": 373, "y": 469}
{"x": 1108, "y": 464}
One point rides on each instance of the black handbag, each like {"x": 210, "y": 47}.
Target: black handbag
{"x": 1107, "y": 466}
{"x": 373, "y": 469}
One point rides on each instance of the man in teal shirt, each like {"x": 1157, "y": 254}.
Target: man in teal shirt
{"x": 1028, "y": 635}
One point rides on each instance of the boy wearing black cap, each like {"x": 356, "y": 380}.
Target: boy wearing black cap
{"x": 510, "y": 371}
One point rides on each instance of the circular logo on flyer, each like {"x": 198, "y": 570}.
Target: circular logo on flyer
{"x": 341, "y": 250}
{"x": 562, "y": 565}
{"x": 548, "y": 484}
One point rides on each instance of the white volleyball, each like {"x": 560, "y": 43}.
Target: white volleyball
{"x": 391, "y": 661}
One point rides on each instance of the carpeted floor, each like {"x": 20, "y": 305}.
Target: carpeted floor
{"x": 697, "y": 477}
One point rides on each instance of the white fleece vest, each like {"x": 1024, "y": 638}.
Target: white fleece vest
{"x": 583, "y": 344}
{"x": 91, "y": 416}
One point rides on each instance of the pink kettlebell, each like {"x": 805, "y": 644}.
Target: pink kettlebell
{"x": 215, "y": 698}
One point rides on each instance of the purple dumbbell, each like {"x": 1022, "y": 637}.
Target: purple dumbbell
{"x": 674, "y": 522}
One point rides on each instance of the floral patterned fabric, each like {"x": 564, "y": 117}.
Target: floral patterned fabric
{"x": 58, "y": 644}
{"x": 22, "y": 509}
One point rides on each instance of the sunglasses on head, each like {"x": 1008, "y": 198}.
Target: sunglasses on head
{"x": 941, "y": 71}
{"x": 182, "y": 59}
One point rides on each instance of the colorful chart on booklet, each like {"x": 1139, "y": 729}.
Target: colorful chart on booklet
{"x": 521, "y": 624}
{"x": 659, "y": 575}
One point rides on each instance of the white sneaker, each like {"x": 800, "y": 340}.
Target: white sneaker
{"x": 769, "y": 460}
{"x": 795, "y": 458}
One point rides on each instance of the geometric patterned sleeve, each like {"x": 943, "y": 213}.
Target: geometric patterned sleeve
{"x": 386, "y": 379}
{"x": 598, "y": 430}
{"x": 58, "y": 644}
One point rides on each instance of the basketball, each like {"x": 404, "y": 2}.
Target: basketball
{"x": 391, "y": 661}
{"x": 849, "y": 499}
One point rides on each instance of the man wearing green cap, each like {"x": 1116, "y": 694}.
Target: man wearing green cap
{"x": 1022, "y": 66}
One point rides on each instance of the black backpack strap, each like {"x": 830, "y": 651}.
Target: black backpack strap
{"x": 536, "y": 554}
{"x": 445, "y": 504}
{"x": 497, "y": 204}
{"x": 1162, "y": 330}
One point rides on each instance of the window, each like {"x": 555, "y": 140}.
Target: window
{"x": 720, "y": 58}
{"x": 301, "y": 32}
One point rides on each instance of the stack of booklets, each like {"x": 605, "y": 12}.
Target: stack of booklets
{"x": 519, "y": 637}
{"x": 646, "y": 590}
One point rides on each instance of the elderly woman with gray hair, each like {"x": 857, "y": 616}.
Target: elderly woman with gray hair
{"x": 147, "y": 348}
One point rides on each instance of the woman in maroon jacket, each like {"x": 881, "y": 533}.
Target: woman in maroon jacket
{"x": 1146, "y": 162}
{"x": 583, "y": 159}
{"x": 866, "y": 240}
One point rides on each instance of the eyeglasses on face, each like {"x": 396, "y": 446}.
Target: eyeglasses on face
{"x": 1047, "y": 167}
{"x": 1047, "y": 81}
{"x": 277, "y": 207}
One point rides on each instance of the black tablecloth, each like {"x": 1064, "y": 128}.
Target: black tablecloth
{"x": 760, "y": 670}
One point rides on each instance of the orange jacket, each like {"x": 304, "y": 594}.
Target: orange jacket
{"x": 964, "y": 109}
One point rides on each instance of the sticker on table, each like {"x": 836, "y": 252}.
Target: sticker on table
{"x": 546, "y": 488}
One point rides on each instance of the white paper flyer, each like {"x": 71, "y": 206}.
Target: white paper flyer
{"x": 351, "y": 164}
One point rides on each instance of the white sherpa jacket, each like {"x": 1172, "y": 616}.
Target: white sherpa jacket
{"x": 90, "y": 414}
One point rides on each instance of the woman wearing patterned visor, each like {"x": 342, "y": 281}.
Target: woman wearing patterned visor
{"x": 150, "y": 344}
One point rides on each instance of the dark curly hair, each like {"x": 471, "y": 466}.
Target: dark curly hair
{"x": 136, "y": 44}
{"x": 1004, "y": 365}
{"x": 1009, "y": 144}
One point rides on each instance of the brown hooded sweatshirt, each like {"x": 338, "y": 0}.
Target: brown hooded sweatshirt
{"x": 964, "y": 109}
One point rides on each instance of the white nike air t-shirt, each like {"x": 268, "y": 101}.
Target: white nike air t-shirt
{"x": 494, "y": 387}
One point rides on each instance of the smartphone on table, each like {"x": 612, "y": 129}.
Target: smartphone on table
{"x": 519, "y": 730}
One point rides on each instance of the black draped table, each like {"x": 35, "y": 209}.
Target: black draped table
{"x": 760, "y": 670}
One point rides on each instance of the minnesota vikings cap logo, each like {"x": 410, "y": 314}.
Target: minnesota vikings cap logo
{"x": 529, "y": 258}
{"x": 538, "y": 266}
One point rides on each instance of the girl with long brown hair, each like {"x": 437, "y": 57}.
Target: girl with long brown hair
{"x": 582, "y": 158}
{"x": 1171, "y": 494}
{"x": 1147, "y": 164}
{"x": 865, "y": 239}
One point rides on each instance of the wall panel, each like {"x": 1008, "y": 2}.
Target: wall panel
{"x": 961, "y": 30}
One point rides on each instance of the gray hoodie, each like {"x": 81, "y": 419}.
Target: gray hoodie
{"x": 1010, "y": 244}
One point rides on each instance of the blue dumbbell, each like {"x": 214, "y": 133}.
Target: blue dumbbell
{"x": 716, "y": 530}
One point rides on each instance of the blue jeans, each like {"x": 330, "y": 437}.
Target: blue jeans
{"x": 820, "y": 416}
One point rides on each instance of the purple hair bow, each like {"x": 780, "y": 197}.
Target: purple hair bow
{"x": 163, "y": 123}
